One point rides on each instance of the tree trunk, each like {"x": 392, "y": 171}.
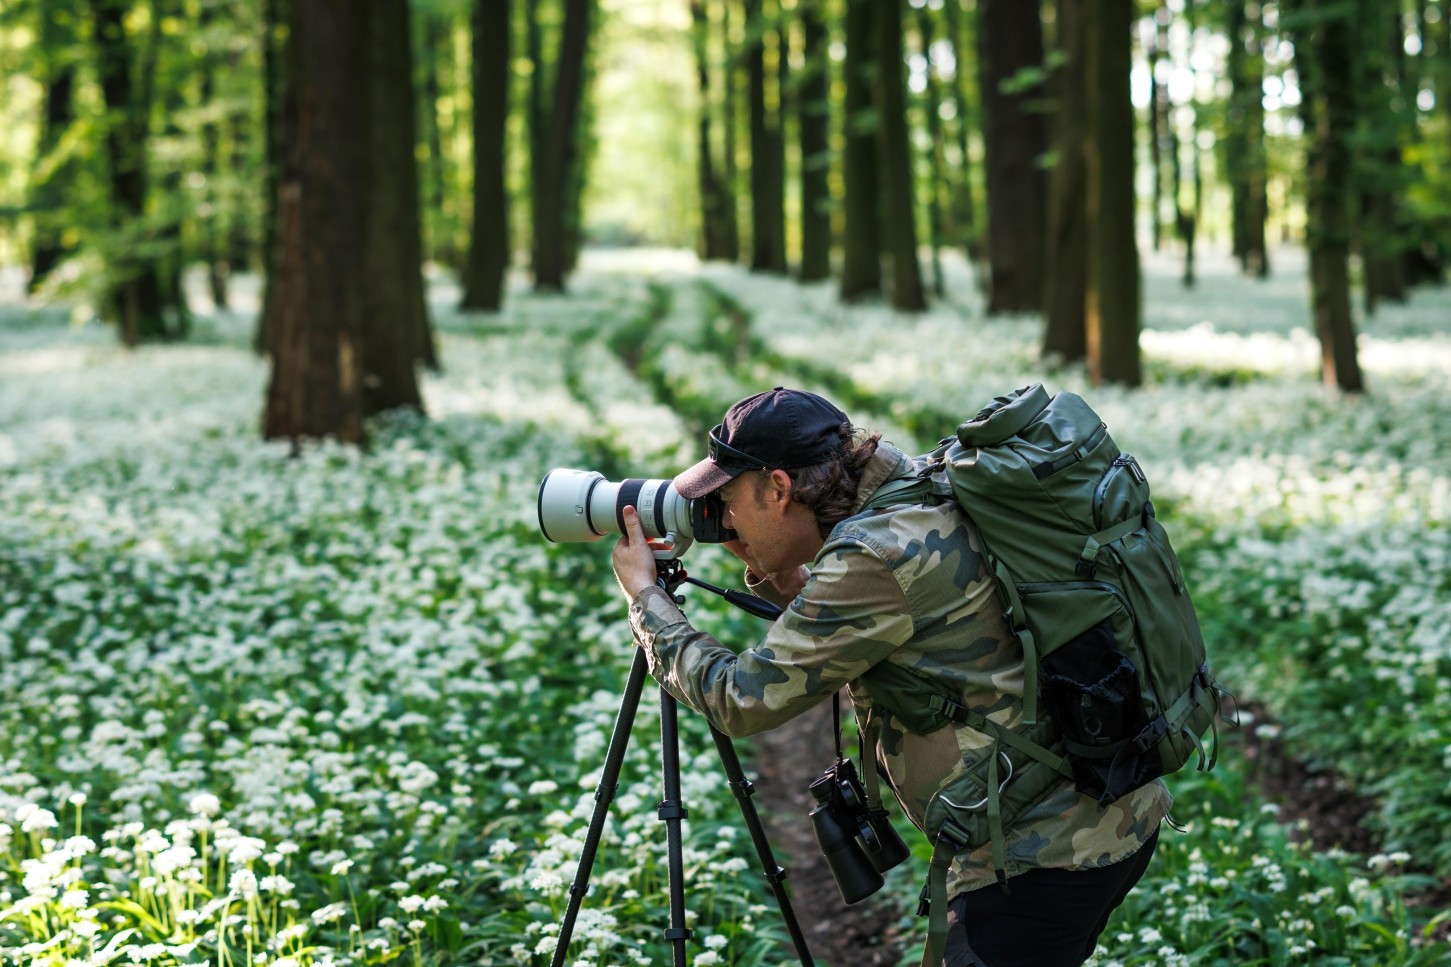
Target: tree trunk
{"x": 713, "y": 241}
{"x": 1113, "y": 303}
{"x": 171, "y": 256}
{"x": 54, "y": 171}
{"x": 315, "y": 390}
{"x": 894, "y": 142}
{"x": 559, "y": 145}
{"x": 1064, "y": 335}
{"x": 1186, "y": 220}
{"x": 963, "y": 208}
{"x": 936, "y": 149}
{"x": 1324, "y": 43}
{"x": 395, "y": 333}
{"x": 768, "y": 222}
{"x": 1010, "y": 39}
{"x": 861, "y": 269}
{"x": 213, "y": 238}
{"x": 730, "y": 172}
{"x": 1246, "y": 165}
{"x": 488, "y": 262}
{"x": 1381, "y": 176}
{"x": 814, "y": 107}
{"x": 1156, "y": 43}
{"x": 134, "y": 297}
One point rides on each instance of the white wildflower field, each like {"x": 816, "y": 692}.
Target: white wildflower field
{"x": 349, "y": 707}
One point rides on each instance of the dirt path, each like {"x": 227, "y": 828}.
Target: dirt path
{"x": 788, "y": 759}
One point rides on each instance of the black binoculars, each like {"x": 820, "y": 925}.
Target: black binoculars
{"x": 858, "y": 840}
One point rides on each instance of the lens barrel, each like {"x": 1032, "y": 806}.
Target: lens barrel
{"x": 577, "y": 506}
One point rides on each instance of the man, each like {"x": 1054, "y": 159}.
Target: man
{"x": 901, "y": 585}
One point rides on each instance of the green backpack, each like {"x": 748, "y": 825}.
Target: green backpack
{"x": 1117, "y": 688}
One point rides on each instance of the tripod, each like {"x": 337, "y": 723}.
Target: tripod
{"x": 672, "y": 811}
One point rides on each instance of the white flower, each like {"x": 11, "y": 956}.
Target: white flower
{"x": 243, "y": 883}
{"x": 205, "y": 804}
{"x": 34, "y": 819}
{"x": 342, "y": 867}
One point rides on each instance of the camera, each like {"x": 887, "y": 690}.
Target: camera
{"x": 858, "y": 841}
{"x": 581, "y": 505}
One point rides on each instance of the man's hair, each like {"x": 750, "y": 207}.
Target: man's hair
{"x": 829, "y": 489}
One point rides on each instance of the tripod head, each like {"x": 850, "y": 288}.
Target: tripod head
{"x": 671, "y": 574}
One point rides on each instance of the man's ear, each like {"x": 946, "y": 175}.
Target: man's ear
{"x": 778, "y": 486}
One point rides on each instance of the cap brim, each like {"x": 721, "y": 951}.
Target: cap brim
{"x": 701, "y": 479}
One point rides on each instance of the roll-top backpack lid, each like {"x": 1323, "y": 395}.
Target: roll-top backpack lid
{"x": 1004, "y": 417}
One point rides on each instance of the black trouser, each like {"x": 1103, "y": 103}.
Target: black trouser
{"x": 1045, "y": 918}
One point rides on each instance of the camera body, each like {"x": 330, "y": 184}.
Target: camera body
{"x": 581, "y": 505}
{"x": 858, "y": 840}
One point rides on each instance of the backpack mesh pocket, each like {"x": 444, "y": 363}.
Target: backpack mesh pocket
{"x": 1092, "y": 692}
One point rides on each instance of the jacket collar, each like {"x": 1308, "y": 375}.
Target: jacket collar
{"x": 887, "y": 463}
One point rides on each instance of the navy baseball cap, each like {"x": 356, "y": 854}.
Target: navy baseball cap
{"x": 782, "y": 429}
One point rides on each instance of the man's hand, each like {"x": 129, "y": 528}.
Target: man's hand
{"x": 634, "y": 563}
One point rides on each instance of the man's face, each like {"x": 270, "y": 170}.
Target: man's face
{"x": 759, "y": 511}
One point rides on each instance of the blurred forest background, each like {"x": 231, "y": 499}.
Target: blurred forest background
{"x": 342, "y": 150}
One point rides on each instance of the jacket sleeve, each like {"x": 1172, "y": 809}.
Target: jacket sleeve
{"x": 851, "y": 614}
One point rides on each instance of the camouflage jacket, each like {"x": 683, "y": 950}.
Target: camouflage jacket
{"x": 908, "y": 585}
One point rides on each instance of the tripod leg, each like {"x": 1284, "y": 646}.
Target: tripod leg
{"x": 672, "y": 811}
{"x": 775, "y": 874}
{"x": 604, "y": 795}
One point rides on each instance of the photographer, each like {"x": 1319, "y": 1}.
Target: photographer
{"x": 905, "y": 584}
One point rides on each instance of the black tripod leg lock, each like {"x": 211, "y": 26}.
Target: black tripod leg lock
{"x": 673, "y": 934}
{"x": 744, "y": 789}
{"x": 669, "y": 810}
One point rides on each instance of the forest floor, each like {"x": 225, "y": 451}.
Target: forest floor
{"x": 874, "y": 933}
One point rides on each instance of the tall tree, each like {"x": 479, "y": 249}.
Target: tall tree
{"x": 768, "y": 184}
{"x": 714, "y": 243}
{"x": 1113, "y": 303}
{"x": 488, "y": 261}
{"x": 1186, "y": 214}
{"x": 54, "y": 168}
{"x": 556, "y": 139}
{"x": 434, "y": 27}
{"x": 316, "y": 384}
{"x": 213, "y": 241}
{"x": 1065, "y": 299}
{"x": 730, "y": 121}
{"x": 814, "y": 105}
{"x": 1156, "y": 47}
{"x": 1380, "y": 175}
{"x": 861, "y": 269}
{"x": 894, "y": 142}
{"x": 937, "y": 182}
{"x": 963, "y": 206}
{"x": 396, "y": 334}
{"x": 1245, "y": 157}
{"x": 1010, "y": 59}
{"x": 134, "y": 296}
{"x": 1324, "y": 41}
